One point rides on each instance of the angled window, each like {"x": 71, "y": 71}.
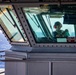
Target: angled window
{"x": 9, "y": 23}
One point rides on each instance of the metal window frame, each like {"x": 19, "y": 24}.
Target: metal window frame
{"x": 27, "y": 29}
{"x": 23, "y": 21}
{"x": 26, "y": 43}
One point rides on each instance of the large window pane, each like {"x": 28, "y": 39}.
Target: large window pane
{"x": 36, "y": 26}
{"x": 52, "y": 25}
{"x": 10, "y": 24}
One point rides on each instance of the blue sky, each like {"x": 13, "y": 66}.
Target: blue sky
{"x": 4, "y": 44}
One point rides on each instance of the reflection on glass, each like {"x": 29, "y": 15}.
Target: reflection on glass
{"x": 50, "y": 24}
{"x": 10, "y": 24}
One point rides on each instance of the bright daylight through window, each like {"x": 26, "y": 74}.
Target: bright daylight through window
{"x": 9, "y": 23}
{"x": 52, "y": 24}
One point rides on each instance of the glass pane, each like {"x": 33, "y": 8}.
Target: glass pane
{"x": 10, "y": 24}
{"x": 36, "y": 26}
{"x": 50, "y": 24}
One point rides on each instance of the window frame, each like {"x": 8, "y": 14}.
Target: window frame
{"x": 42, "y": 44}
{"x": 6, "y": 35}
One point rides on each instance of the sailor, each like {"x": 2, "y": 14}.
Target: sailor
{"x": 58, "y": 32}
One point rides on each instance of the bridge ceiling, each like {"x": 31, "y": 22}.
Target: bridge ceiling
{"x": 37, "y": 0}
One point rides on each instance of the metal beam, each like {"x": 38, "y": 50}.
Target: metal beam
{"x": 25, "y": 3}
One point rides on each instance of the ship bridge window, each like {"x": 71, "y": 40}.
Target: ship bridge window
{"x": 51, "y": 25}
{"x": 9, "y": 23}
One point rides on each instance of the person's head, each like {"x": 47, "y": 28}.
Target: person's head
{"x": 57, "y": 25}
